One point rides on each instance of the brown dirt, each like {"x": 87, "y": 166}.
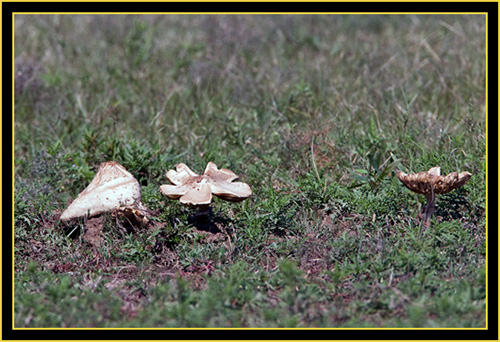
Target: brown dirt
{"x": 93, "y": 231}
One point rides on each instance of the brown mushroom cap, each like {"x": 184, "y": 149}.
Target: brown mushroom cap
{"x": 431, "y": 182}
{"x": 112, "y": 187}
{"x": 194, "y": 190}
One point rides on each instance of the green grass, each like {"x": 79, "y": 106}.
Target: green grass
{"x": 313, "y": 112}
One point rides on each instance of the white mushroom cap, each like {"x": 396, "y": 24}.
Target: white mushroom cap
{"x": 196, "y": 191}
{"x": 431, "y": 182}
{"x": 224, "y": 186}
{"x": 112, "y": 187}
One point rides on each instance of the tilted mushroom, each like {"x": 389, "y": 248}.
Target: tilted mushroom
{"x": 196, "y": 190}
{"x": 431, "y": 183}
{"x": 112, "y": 188}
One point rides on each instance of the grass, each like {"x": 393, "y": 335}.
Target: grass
{"x": 313, "y": 112}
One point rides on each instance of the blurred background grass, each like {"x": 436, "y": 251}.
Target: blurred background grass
{"x": 229, "y": 84}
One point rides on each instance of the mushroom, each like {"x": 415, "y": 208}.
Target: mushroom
{"x": 431, "y": 183}
{"x": 113, "y": 188}
{"x": 196, "y": 191}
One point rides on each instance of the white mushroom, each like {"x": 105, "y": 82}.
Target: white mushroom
{"x": 196, "y": 190}
{"x": 113, "y": 187}
{"x": 431, "y": 183}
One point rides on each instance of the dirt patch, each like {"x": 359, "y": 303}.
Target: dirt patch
{"x": 337, "y": 226}
{"x": 165, "y": 257}
{"x": 64, "y": 267}
{"x": 314, "y": 255}
{"x": 93, "y": 231}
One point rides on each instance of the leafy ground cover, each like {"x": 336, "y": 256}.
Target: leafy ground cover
{"x": 313, "y": 112}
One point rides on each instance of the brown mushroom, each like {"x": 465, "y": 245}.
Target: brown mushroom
{"x": 431, "y": 183}
{"x": 113, "y": 188}
{"x": 196, "y": 190}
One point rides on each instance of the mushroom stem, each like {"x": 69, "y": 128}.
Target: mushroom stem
{"x": 429, "y": 208}
{"x": 203, "y": 213}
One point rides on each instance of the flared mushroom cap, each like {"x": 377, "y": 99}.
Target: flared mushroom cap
{"x": 196, "y": 190}
{"x": 112, "y": 187}
{"x": 431, "y": 182}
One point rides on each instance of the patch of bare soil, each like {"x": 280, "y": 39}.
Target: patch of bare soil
{"x": 207, "y": 230}
{"x": 93, "y": 231}
{"x": 133, "y": 297}
{"x": 314, "y": 256}
{"x": 338, "y": 226}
